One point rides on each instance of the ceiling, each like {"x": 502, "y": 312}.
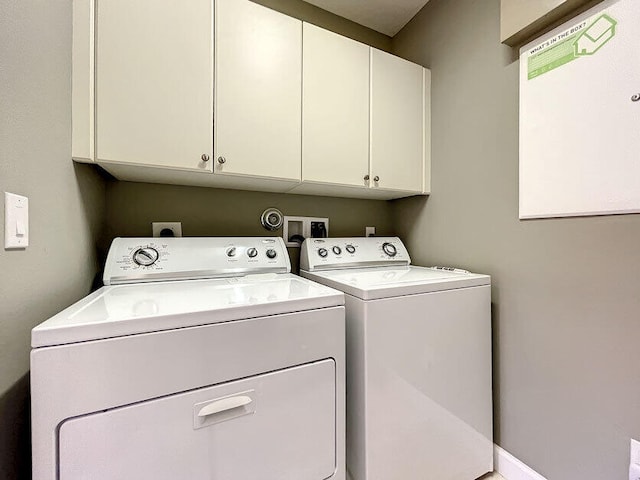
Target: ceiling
{"x": 384, "y": 16}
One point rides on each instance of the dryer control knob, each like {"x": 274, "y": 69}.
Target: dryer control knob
{"x": 146, "y": 256}
{"x": 252, "y": 252}
{"x": 271, "y": 253}
{"x": 389, "y": 249}
{"x": 337, "y": 250}
{"x": 323, "y": 252}
{"x": 351, "y": 249}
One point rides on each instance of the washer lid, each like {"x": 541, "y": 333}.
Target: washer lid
{"x": 385, "y": 282}
{"x": 116, "y": 311}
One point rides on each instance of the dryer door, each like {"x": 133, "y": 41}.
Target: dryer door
{"x": 276, "y": 426}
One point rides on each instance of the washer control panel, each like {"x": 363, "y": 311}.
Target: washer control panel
{"x": 339, "y": 253}
{"x": 135, "y": 260}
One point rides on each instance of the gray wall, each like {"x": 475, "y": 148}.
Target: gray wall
{"x": 66, "y": 202}
{"x": 566, "y": 295}
{"x": 213, "y": 212}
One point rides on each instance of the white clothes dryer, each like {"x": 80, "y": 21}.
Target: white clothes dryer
{"x": 200, "y": 359}
{"x": 419, "y": 393}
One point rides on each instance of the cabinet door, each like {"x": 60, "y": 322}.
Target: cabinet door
{"x": 154, "y": 70}
{"x": 258, "y": 91}
{"x": 397, "y": 123}
{"x": 335, "y": 99}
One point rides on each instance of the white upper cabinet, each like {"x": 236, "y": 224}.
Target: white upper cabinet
{"x": 258, "y": 96}
{"x": 398, "y": 123}
{"x": 231, "y": 94}
{"x": 82, "y": 82}
{"x": 154, "y": 83}
{"x": 335, "y": 99}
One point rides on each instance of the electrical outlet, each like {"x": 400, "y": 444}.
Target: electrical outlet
{"x": 369, "y": 231}
{"x": 167, "y": 229}
{"x": 319, "y": 229}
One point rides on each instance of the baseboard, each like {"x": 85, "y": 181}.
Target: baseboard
{"x": 511, "y": 468}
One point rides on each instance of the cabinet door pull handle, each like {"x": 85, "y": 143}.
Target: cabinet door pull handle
{"x": 205, "y": 157}
{"x": 376, "y": 178}
{"x": 366, "y": 177}
{"x": 636, "y": 98}
{"x": 224, "y": 405}
{"x": 222, "y": 160}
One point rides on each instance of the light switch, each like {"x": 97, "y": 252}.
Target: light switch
{"x": 16, "y": 221}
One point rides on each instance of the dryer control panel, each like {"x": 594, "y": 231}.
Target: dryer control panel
{"x": 136, "y": 260}
{"x": 355, "y": 252}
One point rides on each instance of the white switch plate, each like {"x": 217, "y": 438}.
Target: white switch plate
{"x": 635, "y": 451}
{"x": 369, "y": 231}
{"x": 16, "y": 221}
{"x": 634, "y": 460}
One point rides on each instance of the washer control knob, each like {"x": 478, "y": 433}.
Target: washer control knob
{"x": 337, "y": 250}
{"x": 231, "y": 252}
{"x": 389, "y": 249}
{"x": 146, "y": 256}
{"x": 271, "y": 253}
{"x": 252, "y": 252}
{"x": 323, "y": 252}
{"x": 350, "y": 249}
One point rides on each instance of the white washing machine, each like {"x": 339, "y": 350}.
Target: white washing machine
{"x": 201, "y": 359}
{"x": 419, "y": 401}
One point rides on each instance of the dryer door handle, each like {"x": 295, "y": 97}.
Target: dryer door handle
{"x": 224, "y": 405}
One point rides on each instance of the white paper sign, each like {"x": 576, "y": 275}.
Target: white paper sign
{"x": 580, "y": 116}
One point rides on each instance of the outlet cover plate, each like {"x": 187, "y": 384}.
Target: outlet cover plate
{"x": 176, "y": 227}
{"x": 300, "y": 226}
